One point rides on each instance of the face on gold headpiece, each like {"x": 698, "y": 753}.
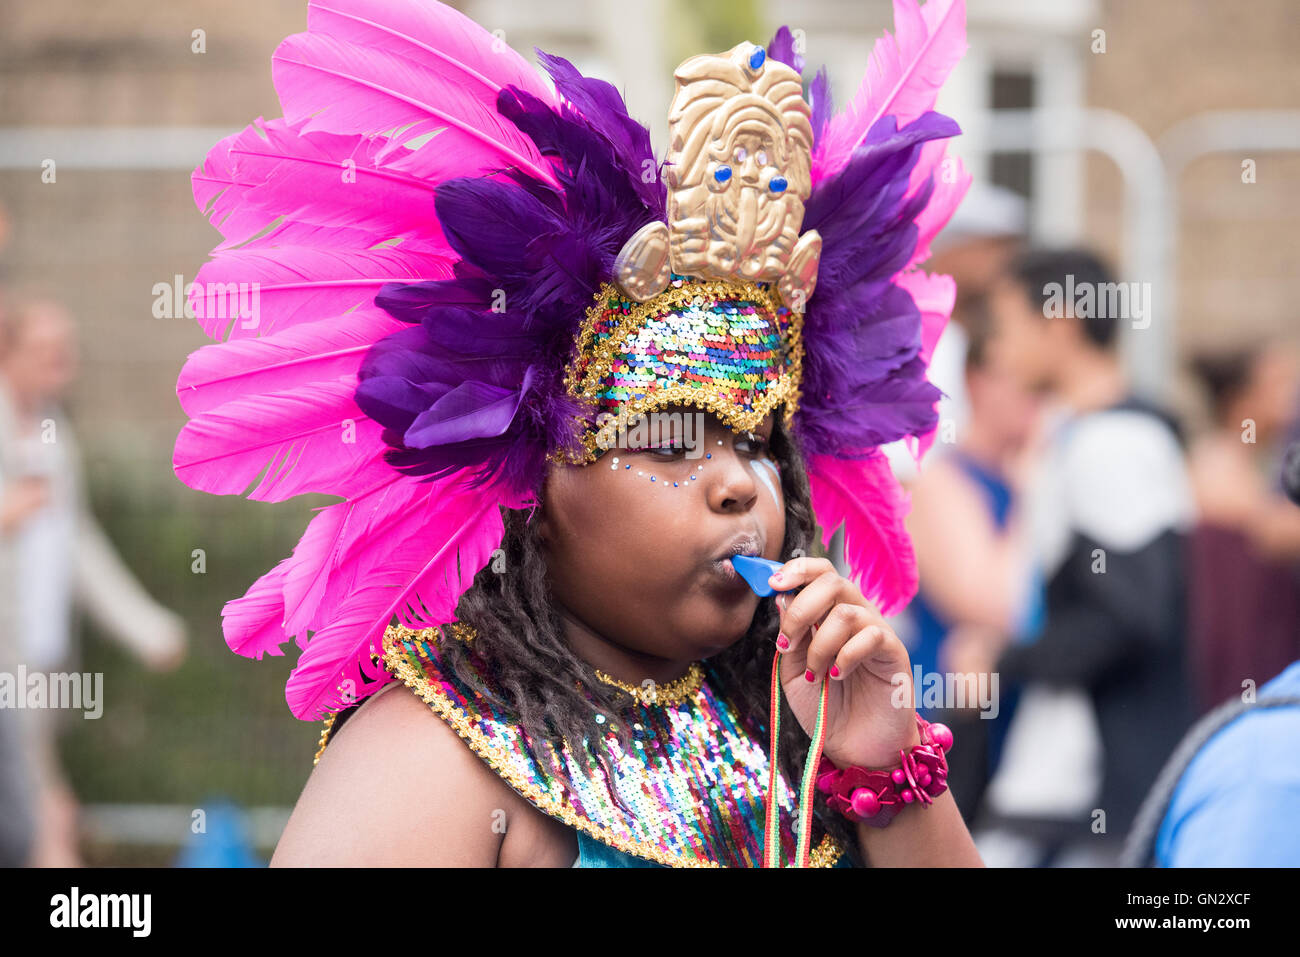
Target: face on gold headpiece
{"x": 738, "y": 175}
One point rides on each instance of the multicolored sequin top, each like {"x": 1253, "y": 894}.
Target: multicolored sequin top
{"x": 689, "y": 793}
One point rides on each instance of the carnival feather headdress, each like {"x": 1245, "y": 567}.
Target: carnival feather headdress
{"x": 457, "y": 267}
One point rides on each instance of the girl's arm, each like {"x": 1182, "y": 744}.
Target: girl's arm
{"x": 934, "y": 836}
{"x": 396, "y": 788}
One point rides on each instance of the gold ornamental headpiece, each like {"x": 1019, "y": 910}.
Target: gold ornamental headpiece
{"x": 706, "y": 309}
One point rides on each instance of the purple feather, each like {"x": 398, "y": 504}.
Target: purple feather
{"x": 476, "y": 382}
{"x": 863, "y": 380}
{"x": 822, "y": 105}
{"x": 601, "y": 106}
{"x": 781, "y": 47}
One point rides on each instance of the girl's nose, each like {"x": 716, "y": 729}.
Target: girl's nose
{"x": 731, "y": 483}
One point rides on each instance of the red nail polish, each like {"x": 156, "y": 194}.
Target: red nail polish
{"x": 835, "y": 671}
{"x": 776, "y": 576}
{"x": 810, "y": 675}
{"x": 782, "y": 642}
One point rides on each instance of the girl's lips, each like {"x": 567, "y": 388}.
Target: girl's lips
{"x": 749, "y": 542}
{"x": 726, "y": 573}
{"x": 746, "y": 543}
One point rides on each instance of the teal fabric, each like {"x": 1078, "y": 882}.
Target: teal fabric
{"x": 593, "y": 853}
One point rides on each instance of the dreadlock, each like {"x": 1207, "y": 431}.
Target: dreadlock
{"x": 518, "y": 637}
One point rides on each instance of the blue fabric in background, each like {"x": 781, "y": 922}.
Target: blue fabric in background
{"x": 1236, "y": 804}
{"x": 224, "y": 840}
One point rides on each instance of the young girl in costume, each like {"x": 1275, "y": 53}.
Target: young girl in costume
{"x": 559, "y": 384}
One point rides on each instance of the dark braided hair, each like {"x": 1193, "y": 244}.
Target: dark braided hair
{"x": 518, "y": 637}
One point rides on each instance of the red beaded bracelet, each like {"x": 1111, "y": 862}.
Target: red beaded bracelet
{"x": 874, "y": 796}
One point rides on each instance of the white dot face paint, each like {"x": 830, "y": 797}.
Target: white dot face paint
{"x": 766, "y": 470}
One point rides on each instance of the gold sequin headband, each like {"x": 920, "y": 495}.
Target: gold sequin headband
{"x": 721, "y": 346}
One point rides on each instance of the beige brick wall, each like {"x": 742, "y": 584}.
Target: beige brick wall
{"x": 102, "y": 239}
{"x": 1168, "y": 60}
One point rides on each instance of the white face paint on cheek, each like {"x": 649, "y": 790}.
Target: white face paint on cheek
{"x": 762, "y": 468}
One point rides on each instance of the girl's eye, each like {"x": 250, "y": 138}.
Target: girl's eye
{"x": 666, "y": 450}
{"x": 757, "y": 444}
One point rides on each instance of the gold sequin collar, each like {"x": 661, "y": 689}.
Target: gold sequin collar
{"x": 668, "y": 693}
{"x": 647, "y": 693}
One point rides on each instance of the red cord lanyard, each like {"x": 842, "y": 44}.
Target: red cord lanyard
{"x": 804, "y": 809}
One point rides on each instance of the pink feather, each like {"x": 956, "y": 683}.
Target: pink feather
{"x": 329, "y": 84}
{"x": 337, "y": 180}
{"x": 864, "y": 496}
{"x": 383, "y": 101}
{"x": 298, "y": 355}
{"x": 455, "y": 530}
{"x": 903, "y": 77}
{"x": 252, "y": 624}
{"x": 346, "y": 541}
{"x": 429, "y": 32}
{"x": 230, "y": 189}
{"x": 311, "y": 438}
{"x": 935, "y": 295}
{"x": 284, "y": 286}
{"x": 951, "y": 181}
{"x": 263, "y": 619}
{"x": 274, "y": 171}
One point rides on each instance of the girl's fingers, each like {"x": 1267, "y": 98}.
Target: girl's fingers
{"x": 801, "y": 611}
{"x": 877, "y": 648}
{"x": 839, "y": 626}
{"x": 799, "y": 571}
{"x": 806, "y": 609}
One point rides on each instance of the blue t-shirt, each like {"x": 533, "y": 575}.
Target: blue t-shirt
{"x": 1237, "y": 802}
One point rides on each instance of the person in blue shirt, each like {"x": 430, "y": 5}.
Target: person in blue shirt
{"x": 1228, "y": 796}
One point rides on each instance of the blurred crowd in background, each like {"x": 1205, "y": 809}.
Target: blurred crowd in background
{"x": 1122, "y": 558}
{"x": 1121, "y": 574}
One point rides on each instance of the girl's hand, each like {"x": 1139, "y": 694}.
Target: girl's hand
{"x": 829, "y": 624}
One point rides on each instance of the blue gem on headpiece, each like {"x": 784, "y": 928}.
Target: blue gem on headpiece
{"x": 722, "y": 174}
{"x": 778, "y": 184}
{"x": 757, "y": 57}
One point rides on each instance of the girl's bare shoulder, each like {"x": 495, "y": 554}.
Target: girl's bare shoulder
{"x": 395, "y": 787}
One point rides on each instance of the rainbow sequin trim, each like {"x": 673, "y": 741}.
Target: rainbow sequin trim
{"x": 689, "y": 793}
{"x": 723, "y": 346}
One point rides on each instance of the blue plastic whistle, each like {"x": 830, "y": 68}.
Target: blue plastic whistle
{"x": 756, "y": 571}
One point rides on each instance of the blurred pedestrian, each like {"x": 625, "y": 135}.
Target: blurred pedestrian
{"x": 1106, "y": 692}
{"x": 1227, "y": 796}
{"x": 52, "y": 553}
{"x": 1245, "y": 555}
